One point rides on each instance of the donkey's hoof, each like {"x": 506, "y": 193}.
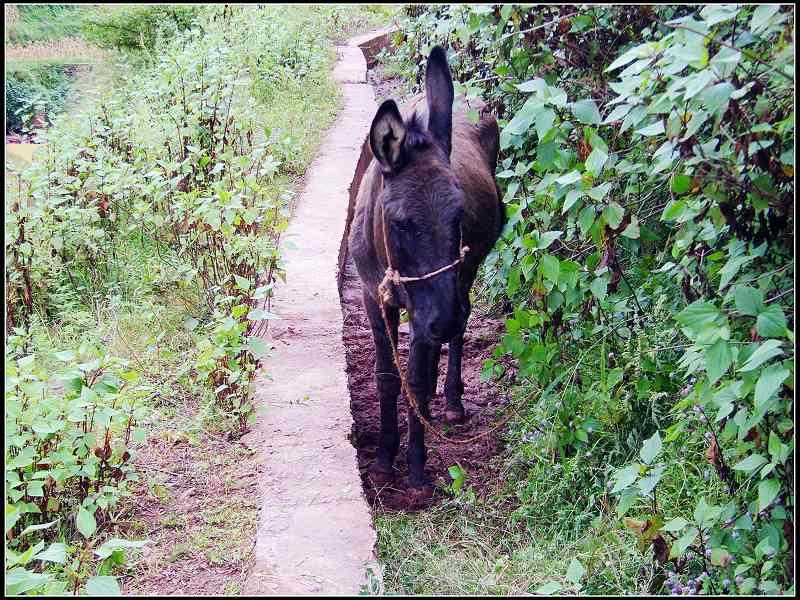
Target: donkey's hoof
{"x": 379, "y": 477}
{"x": 454, "y": 416}
{"x": 419, "y": 496}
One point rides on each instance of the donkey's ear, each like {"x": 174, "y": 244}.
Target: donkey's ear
{"x": 386, "y": 137}
{"x": 439, "y": 90}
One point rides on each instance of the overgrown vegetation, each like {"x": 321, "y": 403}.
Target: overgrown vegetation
{"x": 646, "y": 279}
{"x": 34, "y": 91}
{"x": 43, "y": 45}
{"x": 141, "y": 254}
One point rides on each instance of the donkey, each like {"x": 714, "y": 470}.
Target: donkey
{"x": 429, "y": 190}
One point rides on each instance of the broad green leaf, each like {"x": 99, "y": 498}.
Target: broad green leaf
{"x": 599, "y": 192}
{"x": 675, "y": 524}
{"x": 771, "y": 322}
{"x": 750, "y": 464}
{"x": 575, "y": 571}
{"x": 544, "y": 121}
{"x": 718, "y": 360}
{"x": 767, "y": 491}
{"x": 729, "y": 270}
{"x": 625, "y": 477}
{"x": 698, "y": 315}
{"x": 656, "y": 128}
{"x": 257, "y": 314}
{"x": 525, "y": 116}
{"x": 569, "y": 178}
{"x": 613, "y": 214}
{"x": 550, "y": 267}
{"x": 716, "y": 97}
{"x": 614, "y": 377}
{"x": 680, "y": 546}
{"x": 570, "y": 199}
{"x": 548, "y": 589}
{"x": 595, "y": 161}
{"x": 706, "y": 515}
{"x": 586, "y": 112}
{"x": 547, "y": 238}
{"x": 618, "y": 113}
{"x": 769, "y": 382}
{"x": 681, "y": 184}
{"x": 534, "y": 85}
{"x": 627, "y": 499}
{"x": 632, "y": 231}
{"x": 769, "y": 349}
{"x": 673, "y": 210}
{"x": 749, "y": 300}
{"x": 56, "y": 552}
{"x": 85, "y": 522}
{"x": 650, "y": 481}
{"x": 599, "y": 288}
{"x": 258, "y": 346}
{"x": 698, "y": 82}
{"x": 103, "y": 585}
{"x": 113, "y": 544}
{"x": 763, "y": 16}
{"x": 586, "y": 219}
{"x": 651, "y": 448}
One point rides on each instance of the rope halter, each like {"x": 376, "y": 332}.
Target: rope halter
{"x": 392, "y": 275}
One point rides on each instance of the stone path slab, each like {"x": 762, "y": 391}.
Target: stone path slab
{"x": 315, "y": 534}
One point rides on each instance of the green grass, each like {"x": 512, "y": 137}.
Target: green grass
{"x": 42, "y": 22}
{"x": 504, "y": 545}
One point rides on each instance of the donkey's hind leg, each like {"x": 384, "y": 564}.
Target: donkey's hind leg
{"x": 387, "y": 382}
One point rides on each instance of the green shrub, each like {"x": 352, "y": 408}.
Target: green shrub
{"x": 647, "y": 169}
{"x": 68, "y": 456}
{"x": 43, "y": 22}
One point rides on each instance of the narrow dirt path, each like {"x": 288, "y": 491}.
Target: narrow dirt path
{"x": 315, "y": 532}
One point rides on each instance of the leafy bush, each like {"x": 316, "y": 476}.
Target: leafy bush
{"x": 646, "y": 268}
{"x": 68, "y": 462}
{"x": 165, "y": 198}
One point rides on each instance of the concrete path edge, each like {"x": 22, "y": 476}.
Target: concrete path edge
{"x": 315, "y": 533}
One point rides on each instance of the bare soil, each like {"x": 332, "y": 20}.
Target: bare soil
{"x": 481, "y": 400}
{"x": 197, "y": 503}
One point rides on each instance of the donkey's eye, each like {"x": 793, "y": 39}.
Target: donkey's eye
{"x": 404, "y": 225}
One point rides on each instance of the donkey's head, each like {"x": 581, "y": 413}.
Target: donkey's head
{"x": 422, "y": 202}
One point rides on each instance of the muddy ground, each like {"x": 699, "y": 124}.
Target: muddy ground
{"x": 481, "y": 400}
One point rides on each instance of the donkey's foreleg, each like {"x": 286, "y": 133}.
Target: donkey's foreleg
{"x": 387, "y": 382}
{"x": 433, "y": 368}
{"x": 453, "y": 385}
{"x": 418, "y": 380}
